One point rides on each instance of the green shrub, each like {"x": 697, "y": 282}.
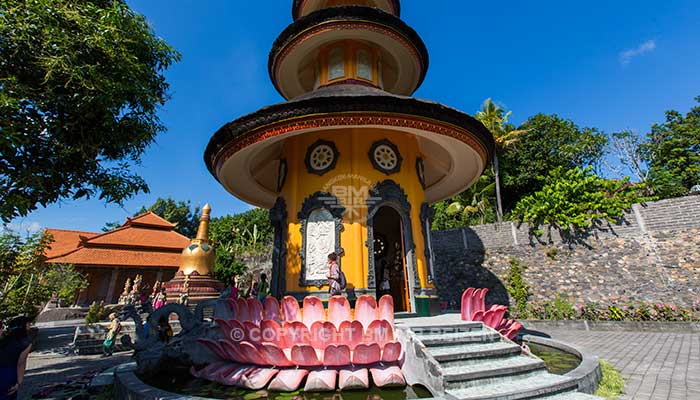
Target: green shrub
{"x": 517, "y": 287}
{"x": 95, "y": 313}
{"x": 611, "y": 383}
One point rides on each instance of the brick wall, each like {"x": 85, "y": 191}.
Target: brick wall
{"x": 652, "y": 254}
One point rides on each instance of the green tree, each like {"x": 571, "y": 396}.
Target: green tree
{"x": 576, "y": 199}
{"x": 548, "y": 143}
{"x": 26, "y": 280}
{"x": 475, "y": 205}
{"x": 180, "y": 213}
{"x": 494, "y": 118}
{"x": 673, "y": 153}
{"x": 80, "y": 86}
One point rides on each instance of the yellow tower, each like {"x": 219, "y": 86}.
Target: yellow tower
{"x": 194, "y": 279}
{"x": 350, "y": 163}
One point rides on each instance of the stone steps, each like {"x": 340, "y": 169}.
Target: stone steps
{"x": 476, "y": 362}
{"x": 449, "y": 356}
{"x": 491, "y": 371}
{"x": 461, "y": 337}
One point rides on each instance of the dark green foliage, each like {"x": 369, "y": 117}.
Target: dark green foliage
{"x": 180, "y": 213}
{"x": 573, "y": 200}
{"x": 517, "y": 288}
{"x": 672, "y": 152}
{"x": 27, "y": 281}
{"x": 96, "y": 313}
{"x": 549, "y": 142}
{"x": 80, "y": 85}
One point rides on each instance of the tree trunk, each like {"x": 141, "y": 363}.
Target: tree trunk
{"x": 499, "y": 206}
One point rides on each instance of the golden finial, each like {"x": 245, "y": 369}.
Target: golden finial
{"x": 199, "y": 255}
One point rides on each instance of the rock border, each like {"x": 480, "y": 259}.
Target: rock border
{"x": 587, "y": 374}
{"x": 615, "y": 326}
{"x": 128, "y": 386}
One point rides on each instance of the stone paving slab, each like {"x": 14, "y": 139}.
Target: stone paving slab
{"x": 655, "y": 365}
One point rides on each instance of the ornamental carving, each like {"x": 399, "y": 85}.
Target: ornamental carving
{"x": 385, "y": 157}
{"x": 321, "y": 218}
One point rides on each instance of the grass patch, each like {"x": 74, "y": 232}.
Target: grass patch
{"x": 611, "y": 384}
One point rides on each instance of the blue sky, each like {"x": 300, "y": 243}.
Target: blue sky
{"x": 608, "y": 64}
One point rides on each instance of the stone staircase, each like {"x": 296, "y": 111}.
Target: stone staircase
{"x": 476, "y": 362}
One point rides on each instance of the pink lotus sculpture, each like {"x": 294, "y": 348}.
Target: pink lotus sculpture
{"x": 474, "y": 309}
{"x": 277, "y": 346}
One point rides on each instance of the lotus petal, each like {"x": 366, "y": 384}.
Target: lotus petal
{"x": 336, "y": 356}
{"x": 313, "y": 310}
{"x": 290, "y": 309}
{"x": 273, "y": 355}
{"x": 237, "y": 332}
{"x": 513, "y": 331}
{"x": 366, "y": 354}
{"x": 233, "y": 378}
{"x": 257, "y": 378}
{"x": 233, "y": 306}
{"x": 323, "y": 333}
{"x": 224, "y": 326}
{"x": 494, "y": 316}
{"x": 391, "y": 352}
{"x": 251, "y": 353}
{"x": 339, "y": 310}
{"x": 467, "y": 304}
{"x": 355, "y": 378}
{"x": 479, "y": 300}
{"x": 305, "y": 356}
{"x": 252, "y": 332}
{"x": 215, "y": 348}
{"x": 321, "y": 380}
{"x": 243, "y": 312}
{"x": 288, "y": 380}
{"x": 296, "y": 332}
{"x": 207, "y": 370}
{"x": 271, "y": 332}
{"x": 388, "y": 376}
{"x": 271, "y": 309}
{"x": 255, "y": 310}
{"x": 365, "y": 310}
{"x": 233, "y": 350}
{"x": 386, "y": 308}
{"x": 221, "y": 374}
{"x": 350, "y": 333}
{"x": 478, "y": 316}
{"x": 378, "y": 331}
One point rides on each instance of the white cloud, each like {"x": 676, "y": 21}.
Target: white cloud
{"x": 646, "y": 47}
{"x": 22, "y": 227}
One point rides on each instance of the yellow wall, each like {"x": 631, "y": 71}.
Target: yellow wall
{"x": 353, "y": 169}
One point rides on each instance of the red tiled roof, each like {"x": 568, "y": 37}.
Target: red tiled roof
{"x": 65, "y": 240}
{"x": 146, "y": 240}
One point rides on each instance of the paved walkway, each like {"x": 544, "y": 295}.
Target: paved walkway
{"x": 660, "y": 366}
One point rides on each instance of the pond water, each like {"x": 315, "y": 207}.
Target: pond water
{"x": 558, "y": 361}
{"x": 182, "y": 382}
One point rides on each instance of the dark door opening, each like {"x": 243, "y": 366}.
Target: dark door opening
{"x": 389, "y": 257}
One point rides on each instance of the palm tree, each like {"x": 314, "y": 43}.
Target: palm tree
{"x": 495, "y": 119}
{"x": 475, "y": 200}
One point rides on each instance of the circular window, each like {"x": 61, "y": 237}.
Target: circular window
{"x": 321, "y": 157}
{"x": 385, "y": 157}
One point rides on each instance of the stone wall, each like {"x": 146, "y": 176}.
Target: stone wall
{"x": 652, "y": 254}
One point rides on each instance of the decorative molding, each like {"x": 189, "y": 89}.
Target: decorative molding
{"x": 389, "y": 193}
{"x": 426, "y": 216}
{"x": 278, "y": 219}
{"x": 282, "y": 174}
{"x": 319, "y": 200}
{"x": 347, "y": 119}
{"x": 310, "y": 151}
{"x": 420, "y": 171}
{"x": 392, "y": 147}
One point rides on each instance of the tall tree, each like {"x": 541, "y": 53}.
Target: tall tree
{"x": 80, "y": 85}
{"x": 180, "y": 213}
{"x": 549, "y": 142}
{"x": 673, "y": 153}
{"x": 493, "y": 117}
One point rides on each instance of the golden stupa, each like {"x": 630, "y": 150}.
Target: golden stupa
{"x": 194, "y": 280}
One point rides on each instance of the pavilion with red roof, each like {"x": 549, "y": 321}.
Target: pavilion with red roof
{"x": 146, "y": 245}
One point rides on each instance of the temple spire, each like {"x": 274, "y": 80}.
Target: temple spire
{"x": 203, "y": 230}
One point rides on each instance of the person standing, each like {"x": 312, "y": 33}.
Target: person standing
{"x": 15, "y": 347}
{"x": 114, "y": 328}
{"x": 234, "y": 287}
{"x": 263, "y": 289}
{"x": 333, "y": 275}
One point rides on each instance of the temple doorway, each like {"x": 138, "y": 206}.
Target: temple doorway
{"x": 389, "y": 257}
